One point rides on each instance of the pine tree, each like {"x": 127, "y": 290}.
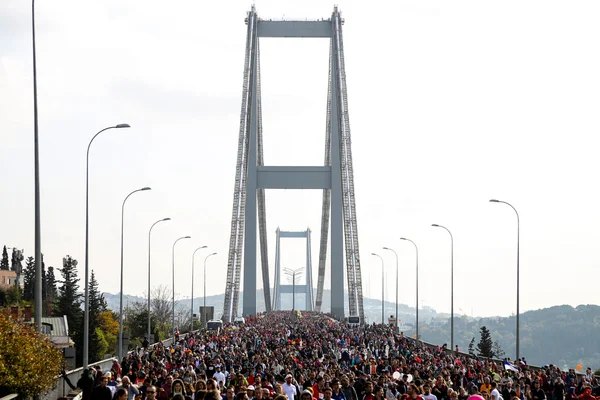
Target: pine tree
{"x": 484, "y": 347}
{"x": 44, "y": 291}
{"x": 4, "y": 265}
{"x": 12, "y": 257}
{"x": 97, "y": 301}
{"x": 97, "y": 306}
{"x": 51, "y": 291}
{"x": 472, "y": 346}
{"x": 68, "y": 302}
{"x": 29, "y": 279}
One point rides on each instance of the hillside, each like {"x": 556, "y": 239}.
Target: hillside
{"x": 560, "y": 335}
{"x": 372, "y": 306}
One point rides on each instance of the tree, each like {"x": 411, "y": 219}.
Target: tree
{"x": 161, "y": 316}
{"x": 97, "y": 343}
{"x": 108, "y": 329}
{"x": 161, "y": 304}
{"x": 4, "y": 265}
{"x": 44, "y": 291}
{"x": 97, "y": 301}
{"x": 29, "y": 362}
{"x": 16, "y": 259}
{"x": 484, "y": 347}
{"x": 497, "y": 350}
{"x": 10, "y": 296}
{"x": 472, "y": 346}
{"x": 68, "y": 302}
{"x": 136, "y": 322}
{"x": 183, "y": 319}
{"x": 29, "y": 279}
{"x": 51, "y": 291}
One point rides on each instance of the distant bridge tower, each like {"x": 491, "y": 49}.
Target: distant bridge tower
{"x": 335, "y": 178}
{"x": 279, "y": 288}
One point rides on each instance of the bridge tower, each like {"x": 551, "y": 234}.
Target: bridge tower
{"x": 335, "y": 178}
{"x": 279, "y": 288}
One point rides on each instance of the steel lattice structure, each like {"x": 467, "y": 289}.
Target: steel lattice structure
{"x": 335, "y": 178}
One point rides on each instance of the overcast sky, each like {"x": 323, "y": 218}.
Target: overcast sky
{"x": 451, "y": 104}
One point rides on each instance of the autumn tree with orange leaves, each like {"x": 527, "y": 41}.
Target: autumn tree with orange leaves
{"x": 29, "y": 362}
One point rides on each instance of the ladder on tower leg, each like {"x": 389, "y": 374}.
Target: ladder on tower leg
{"x": 260, "y": 194}
{"x": 326, "y": 198}
{"x": 350, "y": 201}
{"x": 236, "y": 240}
{"x": 349, "y": 251}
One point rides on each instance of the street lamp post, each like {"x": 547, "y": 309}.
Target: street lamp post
{"x": 86, "y": 316}
{"x": 518, "y": 290}
{"x": 193, "y": 258}
{"x": 451, "y": 285}
{"x": 382, "y": 289}
{"x": 149, "y": 246}
{"x": 204, "y": 307}
{"x": 37, "y": 288}
{"x": 173, "y": 304}
{"x": 417, "y": 283}
{"x": 397, "y": 277}
{"x": 120, "y": 352}
{"x": 292, "y": 273}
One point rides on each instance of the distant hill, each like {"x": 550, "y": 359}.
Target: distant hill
{"x": 372, "y": 306}
{"x": 560, "y": 335}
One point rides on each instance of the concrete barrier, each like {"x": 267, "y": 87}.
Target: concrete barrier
{"x": 62, "y": 389}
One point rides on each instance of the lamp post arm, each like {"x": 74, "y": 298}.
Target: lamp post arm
{"x": 94, "y": 137}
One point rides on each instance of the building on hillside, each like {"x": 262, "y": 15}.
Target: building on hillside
{"x": 8, "y": 279}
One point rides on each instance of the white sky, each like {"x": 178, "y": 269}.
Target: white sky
{"x": 452, "y": 103}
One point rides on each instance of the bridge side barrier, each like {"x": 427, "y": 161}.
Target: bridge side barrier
{"x": 61, "y": 389}
{"x": 432, "y": 346}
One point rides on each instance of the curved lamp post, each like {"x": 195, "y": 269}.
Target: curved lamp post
{"x": 120, "y": 352}
{"x": 193, "y": 258}
{"x": 86, "y": 315}
{"x": 397, "y": 277}
{"x": 149, "y": 243}
{"x": 173, "y": 305}
{"x": 451, "y": 285}
{"x": 417, "y": 300}
{"x": 518, "y": 291}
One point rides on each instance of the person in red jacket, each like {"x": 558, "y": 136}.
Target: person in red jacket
{"x": 318, "y": 388}
{"x": 587, "y": 393}
{"x": 413, "y": 393}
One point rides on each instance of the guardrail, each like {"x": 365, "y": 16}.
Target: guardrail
{"x": 462, "y": 353}
{"x": 62, "y": 389}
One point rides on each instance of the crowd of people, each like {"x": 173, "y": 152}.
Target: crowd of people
{"x": 287, "y": 355}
